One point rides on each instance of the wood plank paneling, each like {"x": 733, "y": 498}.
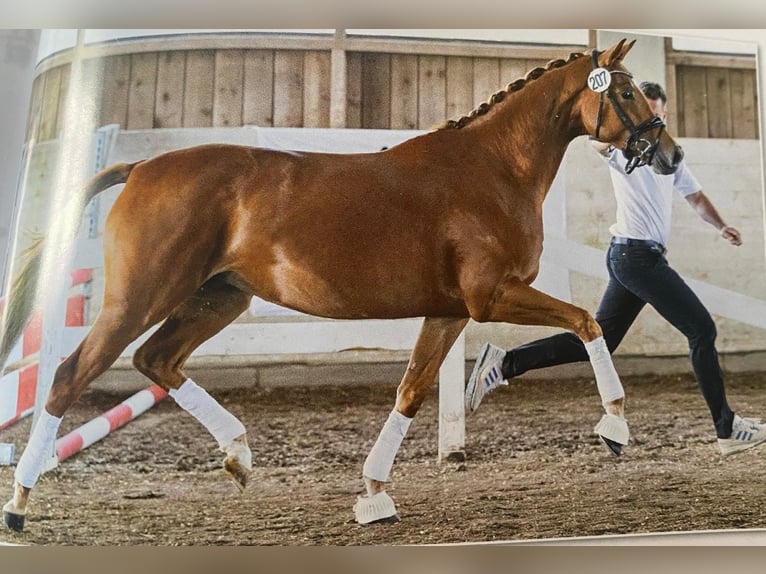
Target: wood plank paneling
{"x": 744, "y": 116}
{"x": 316, "y": 89}
{"x": 227, "y": 89}
{"x": 695, "y": 103}
{"x": 284, "y": 85}
{"x": 716, "y": 102}
{"x": 198, "y": 89}
{"x": 338, "y": 85}
{"x": 353, "y": 90}
{"x": 142, "y": 92}
{"x": 486, "y": 79}
{"x": 50, "y": 104}
{"x": 116, "y": 86}
{"x": 404, "y": 92}
{"x": 35, "y": 107}
{"x": 288, "y": 89}
{"x": 432, "y": 91}
{"x": 459, "y": 87}
{"x": 512, "y": 70}
{"x": 680, "y": 109}
{"x": 719, "y": 103}
{"x": 258, "y": 96}
{"x": 376, "y": 91}
{"x": 169, "y": 96}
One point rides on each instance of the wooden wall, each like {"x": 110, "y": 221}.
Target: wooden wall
{"x": 226, "y": 88}
{"x": 711, "y": 96}
{"x": 195, "y": 88}
{"x": 717, "y": 102}
{"x": 388, "y": 85}
{"x": 403, "y": 91}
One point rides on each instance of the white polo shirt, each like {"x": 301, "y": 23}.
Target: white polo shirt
{"x": 645, "y": 198}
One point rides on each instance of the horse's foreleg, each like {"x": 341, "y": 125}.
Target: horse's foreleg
{"x": 517, "y": 302}
{"x": 162, "y": 356}
{"x": 437, "y": 335}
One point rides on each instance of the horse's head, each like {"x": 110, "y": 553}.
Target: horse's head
{"x": 615, "y": 111}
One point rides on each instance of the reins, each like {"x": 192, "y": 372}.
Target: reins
{"x": 638, "y": 151}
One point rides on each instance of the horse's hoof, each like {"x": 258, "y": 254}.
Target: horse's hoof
{"x": 236, "y": 472}
{"x": 376, "y": 509}
{"x": 238, "y": 462}
{"x": 613, "y": 432}
{"x": 14, "y": 521}
{"x": 614, "y": 447}
{"x": 387, "y": 520}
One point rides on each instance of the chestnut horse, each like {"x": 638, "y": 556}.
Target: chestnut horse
{"x": 447, "y": 226}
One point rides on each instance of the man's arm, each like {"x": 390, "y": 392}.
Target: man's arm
{"x": 707, "y": 211}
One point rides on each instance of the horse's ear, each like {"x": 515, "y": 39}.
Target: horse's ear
{"x": 626, "y": 48}
{"x": 617, "y": 52}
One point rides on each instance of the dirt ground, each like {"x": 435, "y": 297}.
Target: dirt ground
{"x": 534, "y": 470}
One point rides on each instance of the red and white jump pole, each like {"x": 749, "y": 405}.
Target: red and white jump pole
{"x": 114, "y": 418}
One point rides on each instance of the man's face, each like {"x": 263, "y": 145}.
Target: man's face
{"x": 658, "y": 107}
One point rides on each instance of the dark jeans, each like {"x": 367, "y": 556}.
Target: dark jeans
{"x": 639, "y": 274}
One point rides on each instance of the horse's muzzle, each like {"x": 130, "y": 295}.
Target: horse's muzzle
{"x": 664, "y": 164}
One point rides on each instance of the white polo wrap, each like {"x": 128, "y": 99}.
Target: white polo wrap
{"x": 607, "y": 379}
{"x": 38, "y": 451}
{"x": 223, "y": 425}
{"x": 381, "y": 458}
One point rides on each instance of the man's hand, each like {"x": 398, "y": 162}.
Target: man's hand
{"x": 731, "y": 235}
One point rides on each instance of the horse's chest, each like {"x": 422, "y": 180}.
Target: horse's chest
{"x": 518, "y": 252}
{"x": 525, "y": 258}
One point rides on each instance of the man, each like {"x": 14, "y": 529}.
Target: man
{"x": 639, "y": 274}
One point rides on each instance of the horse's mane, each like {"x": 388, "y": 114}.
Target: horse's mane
{"x": 514, "y": 86}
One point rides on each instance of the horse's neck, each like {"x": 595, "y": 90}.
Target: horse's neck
{"x": 530, "y": 132}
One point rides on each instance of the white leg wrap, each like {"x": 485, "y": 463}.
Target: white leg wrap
{"x": 607, "y": 379}
{"x": 223, "y": 425}
{"x": 381, "y": 458}
{"x": 38, "y": 450}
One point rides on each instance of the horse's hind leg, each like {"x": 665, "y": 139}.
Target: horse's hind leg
{"x": 161, "y": 358}
{"x": 437, "y": 335}
{"x": 110, "y": 334}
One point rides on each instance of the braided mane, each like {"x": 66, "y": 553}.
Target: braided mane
{"x": 514, "y": 86}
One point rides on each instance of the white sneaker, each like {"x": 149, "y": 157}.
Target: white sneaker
{"x": 486, "y": 376}
{"x": 745, "y": 434}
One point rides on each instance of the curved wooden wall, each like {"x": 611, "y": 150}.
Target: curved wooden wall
{"x": 306, "y": 81}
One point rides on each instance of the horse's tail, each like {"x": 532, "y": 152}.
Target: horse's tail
{"x": 22, "y": 295}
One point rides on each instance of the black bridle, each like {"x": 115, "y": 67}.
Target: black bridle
{"x": 638, "y": 150}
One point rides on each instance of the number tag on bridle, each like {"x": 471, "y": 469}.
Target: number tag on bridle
{"x": 599, "y": 80}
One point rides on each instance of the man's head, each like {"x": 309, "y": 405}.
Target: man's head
{"x": 657, "y": 98}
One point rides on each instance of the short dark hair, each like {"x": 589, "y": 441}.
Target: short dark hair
{"x": 653, "y": 91}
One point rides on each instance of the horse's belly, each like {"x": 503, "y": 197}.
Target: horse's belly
{"x": 355, "y": 290}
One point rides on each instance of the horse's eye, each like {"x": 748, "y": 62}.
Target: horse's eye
{"x": 627, "y": 95}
